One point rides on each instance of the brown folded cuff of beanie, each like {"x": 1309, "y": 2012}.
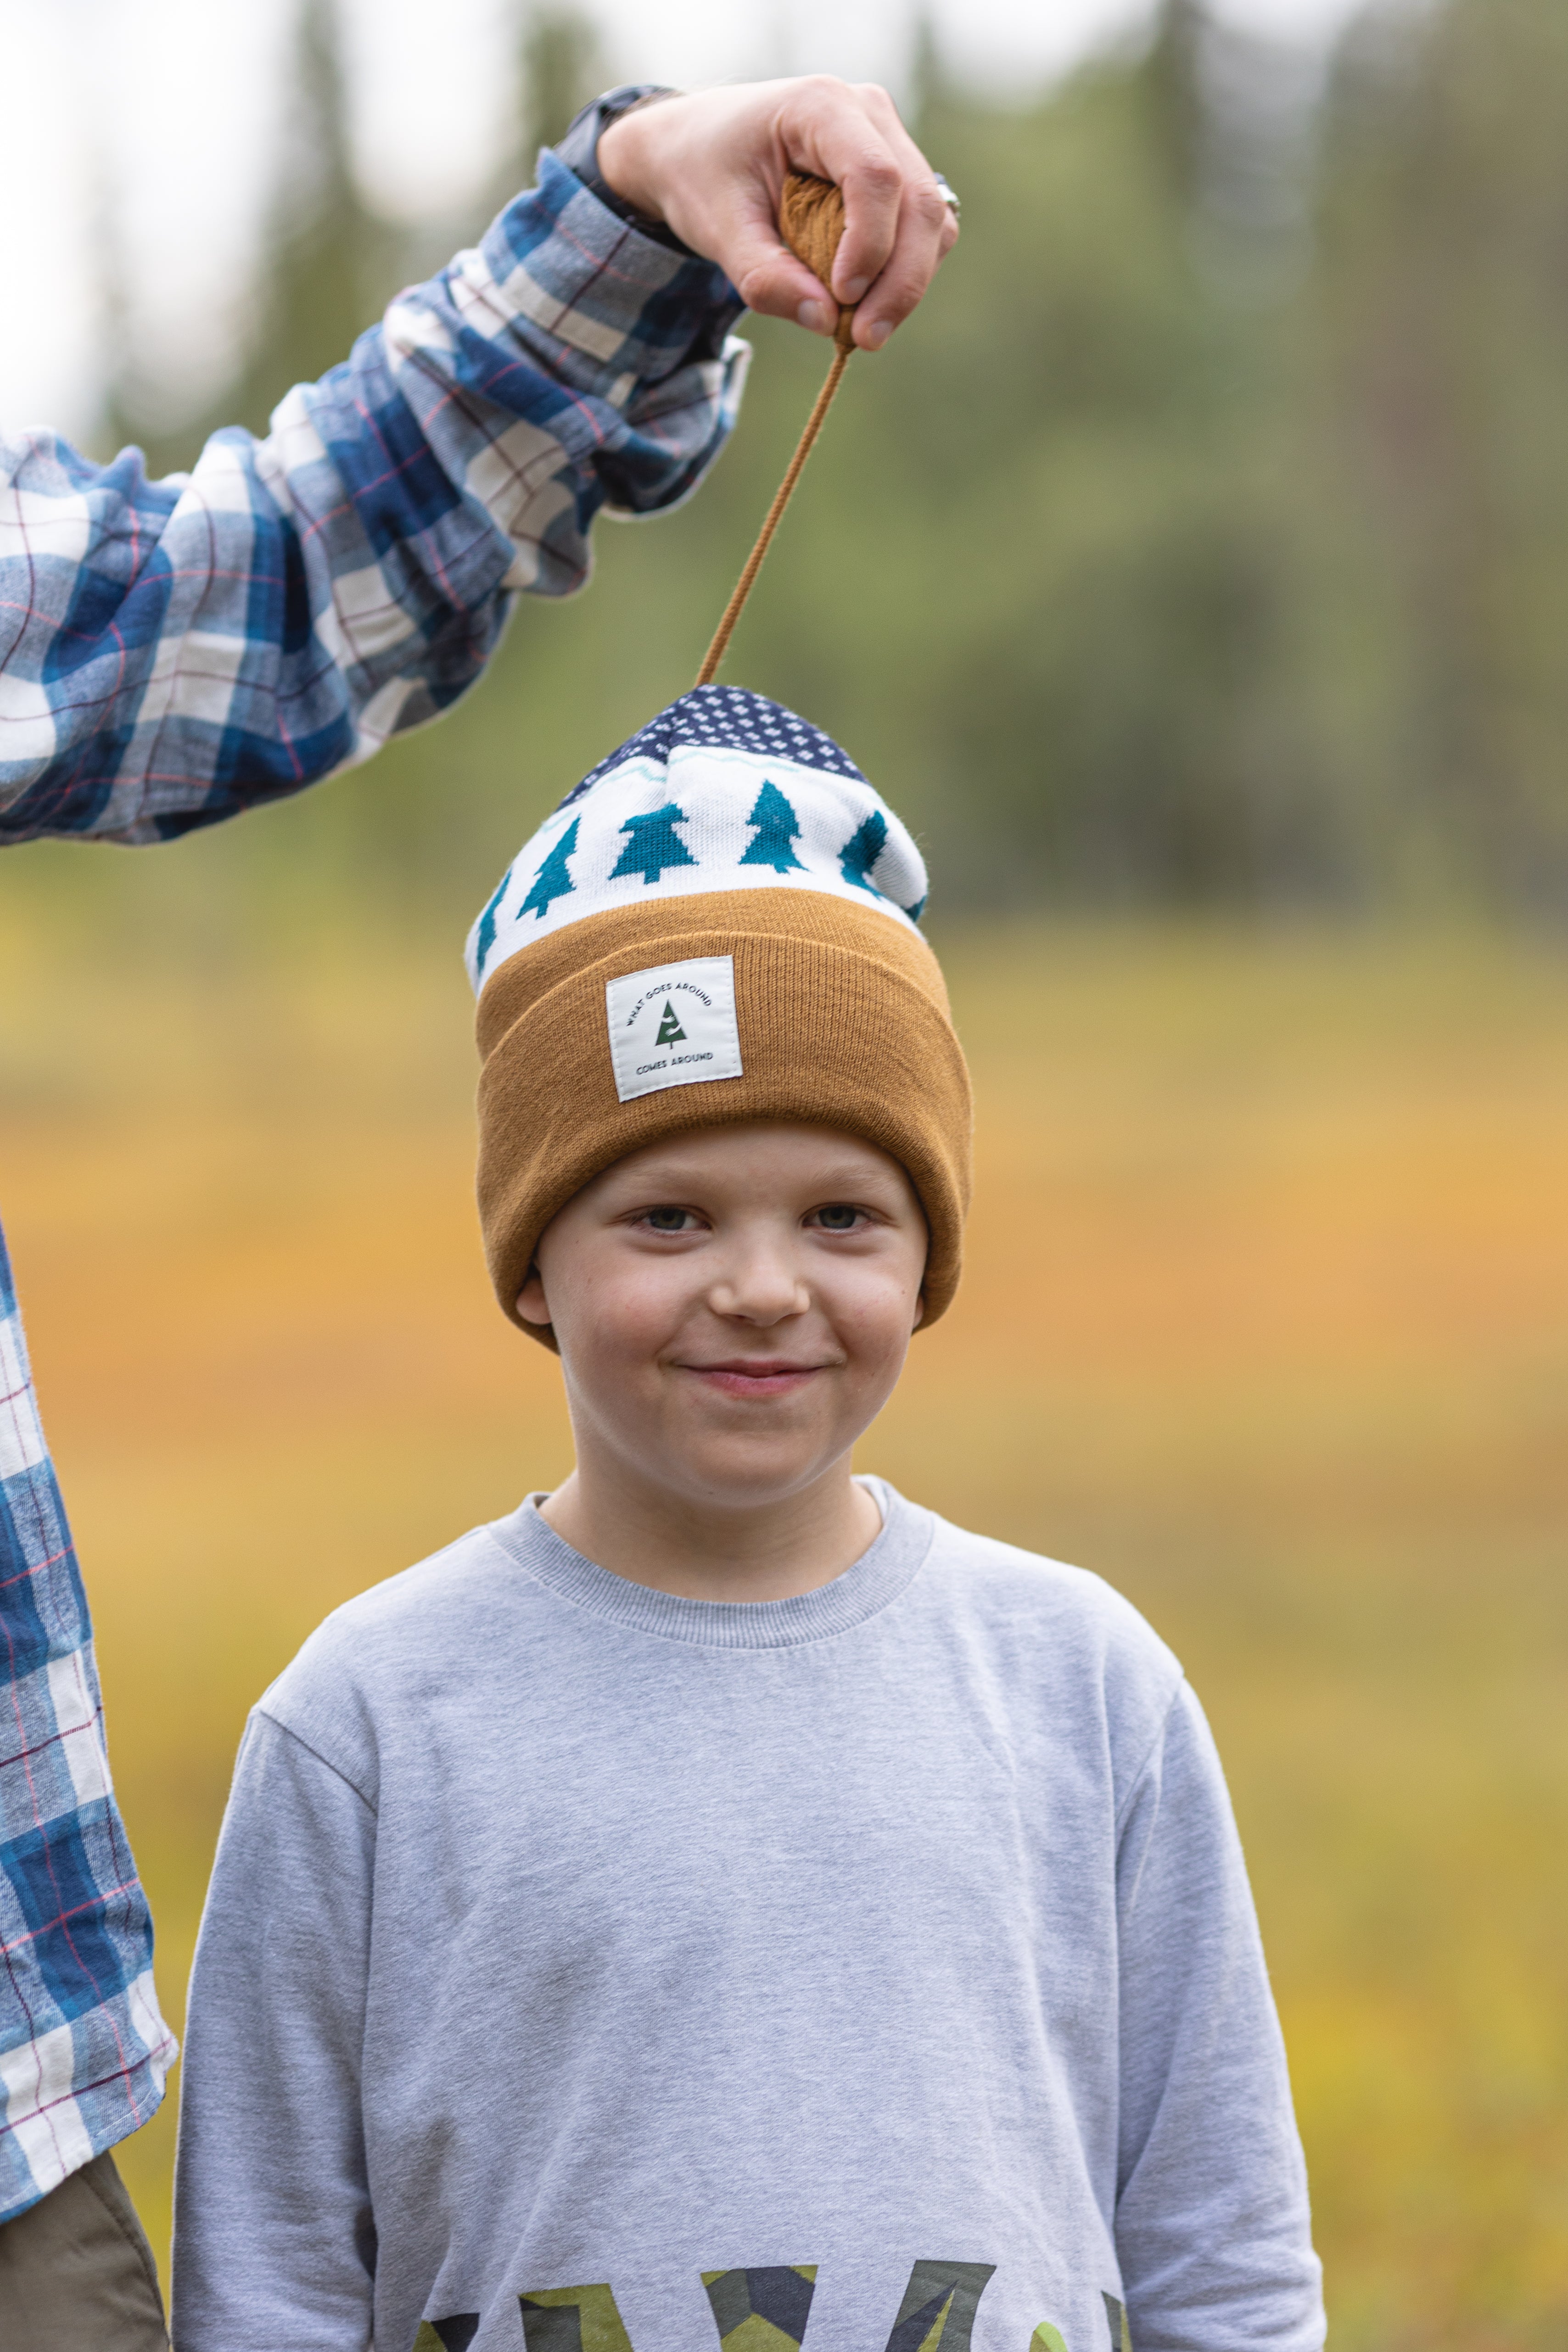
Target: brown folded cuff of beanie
{"x": 843, "y": 1021}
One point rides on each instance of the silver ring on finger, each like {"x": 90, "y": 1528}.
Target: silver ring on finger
{"x": 948, "y": 195}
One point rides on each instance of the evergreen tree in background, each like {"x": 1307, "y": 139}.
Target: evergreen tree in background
{"x": 330, "y": 265}
{"x": 1439, "y": 327}
{"x": 333, "y": 264}
{"x": 557, "y": 69}
{"x": 1172, "y": 95}
{"x": 562, "y": 69}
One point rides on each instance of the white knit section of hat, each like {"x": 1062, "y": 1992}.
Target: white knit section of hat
{"x": 609, "y": 851}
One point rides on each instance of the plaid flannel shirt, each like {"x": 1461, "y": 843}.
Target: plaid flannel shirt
{"x": 83, "y": 2051}
{"x": 171, "y": 653}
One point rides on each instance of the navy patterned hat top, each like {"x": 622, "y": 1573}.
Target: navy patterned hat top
{"x": 725, "y": 791}
{"x": 729, "y": 718}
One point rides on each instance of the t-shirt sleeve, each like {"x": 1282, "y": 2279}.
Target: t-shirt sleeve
{"x": 274, "y": 2243}
{"x": 1212, "y": 2229}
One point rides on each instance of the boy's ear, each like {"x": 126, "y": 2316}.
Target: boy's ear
{"x": 919, "y": 1311}
{"x": 532, "y": 1302}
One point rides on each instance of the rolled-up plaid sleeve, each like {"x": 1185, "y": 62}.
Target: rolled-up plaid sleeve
{"x": 173, "y": 652}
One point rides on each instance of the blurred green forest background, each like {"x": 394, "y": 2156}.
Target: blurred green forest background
{"x": 1203, "y": 540}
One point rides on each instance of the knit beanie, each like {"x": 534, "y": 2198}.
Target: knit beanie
{"x": 718, "y": 924}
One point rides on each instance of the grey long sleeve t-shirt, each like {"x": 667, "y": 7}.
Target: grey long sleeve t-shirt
{"x": 586, "y": 1969}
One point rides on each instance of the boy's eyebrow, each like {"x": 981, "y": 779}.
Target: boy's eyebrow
{"x": 848, "y": 1177}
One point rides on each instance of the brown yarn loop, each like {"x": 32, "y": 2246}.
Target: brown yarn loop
{"x": 811, "y": 220}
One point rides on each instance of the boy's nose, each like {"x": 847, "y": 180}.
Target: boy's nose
{"x": 762, "y": 1286}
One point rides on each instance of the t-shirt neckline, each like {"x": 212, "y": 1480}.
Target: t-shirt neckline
{"x": 882, "y": 1571}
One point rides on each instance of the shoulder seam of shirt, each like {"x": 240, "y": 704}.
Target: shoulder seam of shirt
{"x": 1141, "y": 1774}
{"x": 326, "y": 1762}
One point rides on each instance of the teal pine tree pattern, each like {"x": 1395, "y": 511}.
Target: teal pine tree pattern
{"x": 861, "y": 852}
{"x": 653, "y": 845}
{"x": 486, "y": 937}
{"x": 670, "y": 1032}
{"x": 776, "y": 829}
{"x": 552, "y": 880}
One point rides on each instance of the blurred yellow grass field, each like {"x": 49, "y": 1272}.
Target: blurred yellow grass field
{"x": 1266, "y": 1319}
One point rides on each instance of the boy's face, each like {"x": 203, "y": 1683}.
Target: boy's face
{"x": 733, "y": 1307}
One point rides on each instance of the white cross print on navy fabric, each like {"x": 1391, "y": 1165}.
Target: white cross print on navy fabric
{"x": 729, "y": 718}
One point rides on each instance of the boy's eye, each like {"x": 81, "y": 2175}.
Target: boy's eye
{"x": 839, "y": 1217}
{"x": 667, "y": 1221}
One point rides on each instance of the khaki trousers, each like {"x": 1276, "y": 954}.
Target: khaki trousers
{"x": 77, "y": 2273}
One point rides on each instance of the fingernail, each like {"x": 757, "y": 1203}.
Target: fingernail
{"x": 813, "y": 316}
{"x": 854, "y": 288}
{"x": 878, "y": 335}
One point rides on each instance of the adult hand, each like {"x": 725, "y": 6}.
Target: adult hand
{"x": 712, "y": 166}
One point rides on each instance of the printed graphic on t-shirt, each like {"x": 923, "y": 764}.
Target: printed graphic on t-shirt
{"x": 763, "y": 2310}
{"x": 937, "y": 2313}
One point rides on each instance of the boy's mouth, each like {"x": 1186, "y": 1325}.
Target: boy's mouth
{"x": 753, "y": 1376}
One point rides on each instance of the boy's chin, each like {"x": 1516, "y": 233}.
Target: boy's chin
{"x": 756, "y": 1473}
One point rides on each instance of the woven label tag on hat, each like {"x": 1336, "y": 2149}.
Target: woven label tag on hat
{"x": 673, "y": 1026}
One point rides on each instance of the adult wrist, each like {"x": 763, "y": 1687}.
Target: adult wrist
{"x": 578, "y": 148}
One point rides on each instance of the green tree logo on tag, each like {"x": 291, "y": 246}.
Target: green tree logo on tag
{"x": 670, "y": 1032}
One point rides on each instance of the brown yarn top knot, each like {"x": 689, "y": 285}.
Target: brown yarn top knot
{"x": 811, "y": 222}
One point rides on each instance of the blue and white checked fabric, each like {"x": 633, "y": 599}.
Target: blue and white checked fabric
{"x": 83, "y": 2050}
{"x": 174, "y": 652}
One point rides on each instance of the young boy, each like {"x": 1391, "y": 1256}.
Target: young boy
{"x": 721, "y": 1894}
